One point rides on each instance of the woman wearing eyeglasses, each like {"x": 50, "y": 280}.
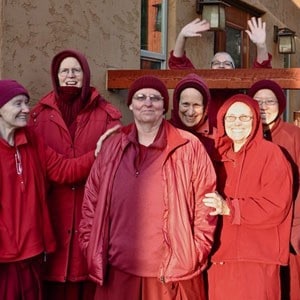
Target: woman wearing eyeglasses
{"x": 255, "y": 201}
{"x": 145, "y": 230}
{"x": 70, "y": 120}
{"x": 272, "y": 103}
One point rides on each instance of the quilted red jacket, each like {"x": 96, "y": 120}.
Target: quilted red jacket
{"x": 25, "y": 229}
{"x": 188, "y": 228}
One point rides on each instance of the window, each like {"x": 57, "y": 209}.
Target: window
{"x": 234, "y": 40}
{"x": 153, "y": 34}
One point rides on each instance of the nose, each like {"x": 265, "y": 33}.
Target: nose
{"x": 25, "y": 108}
{"x": 190, "y": 110}
{"x": 148, "y": 101}
{"x": 71, "y": 73}
{"x": 238, "y": 122}
{"x": 263, "y": 105}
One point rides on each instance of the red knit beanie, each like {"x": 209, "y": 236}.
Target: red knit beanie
{"x": 10, "y": 89}
{"x": 274, "y": 87}
{"x": 149, "y": 81}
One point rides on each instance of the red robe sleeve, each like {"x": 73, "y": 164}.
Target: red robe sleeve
{"x": 67, "y": 170}
{"x": 179, "y": 63}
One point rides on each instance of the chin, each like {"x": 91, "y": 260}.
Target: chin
{"x": 190, "y": 124}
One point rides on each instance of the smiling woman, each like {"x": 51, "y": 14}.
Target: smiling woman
{"x": 14, "y": 109}
{"x": 254, "y": 200}
{"x": 191, "y": 99}
{"x": 238, "y": 124}
{"x": 25, "y": 163}
{"x": 14, "y": 114}
{"x": 70, "y": 73}
{"x": 70, "y": 119}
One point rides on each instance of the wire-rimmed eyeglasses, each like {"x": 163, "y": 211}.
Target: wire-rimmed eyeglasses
{"x": 242, "y": 118}
{"x": 225, "y": 64}
{"x": 268, "y": 102}
{"x": 152, "y": 97}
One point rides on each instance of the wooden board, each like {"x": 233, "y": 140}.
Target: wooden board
{"x": 216, "y": 79}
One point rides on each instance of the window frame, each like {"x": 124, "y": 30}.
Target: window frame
{"x": 160, "y": 57}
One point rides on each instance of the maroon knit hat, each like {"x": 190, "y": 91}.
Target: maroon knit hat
{"x": 10, "y": 89}
{"x": 274, "y": 87}
{"x": 149, "y": 81}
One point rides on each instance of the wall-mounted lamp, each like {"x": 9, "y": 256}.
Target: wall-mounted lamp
{"x": 285, "y": 39}
{"x": 213, "y": 12}
{"x": 157, "y": 25}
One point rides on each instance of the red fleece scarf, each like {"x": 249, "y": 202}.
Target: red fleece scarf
{"x": 70, "y": 104}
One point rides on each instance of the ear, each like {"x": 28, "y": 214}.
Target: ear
{"x": 130, "y": 106}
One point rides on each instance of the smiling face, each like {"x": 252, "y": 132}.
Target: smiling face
{"x": 14, "y": 113}
{"x": 70, "y": 73}
{"x": 268, "y": 106}
{"x": 147, "y": 111}
{"x": 238, "y": 124}
{"x": 190, "y": 107}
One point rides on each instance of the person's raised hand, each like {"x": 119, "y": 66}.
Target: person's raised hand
{"x": 195, "y": 28}
{"x": 257, "y": 31}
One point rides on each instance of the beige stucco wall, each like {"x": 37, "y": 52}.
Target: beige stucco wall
{"x": 33, "y": 31}
{"x": 108, "y": 32}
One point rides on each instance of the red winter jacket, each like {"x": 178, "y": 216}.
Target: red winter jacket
{"x": 25, "y": 229}
{"x": 287, "y": 136}
{"x": 188, "y": 229}
{"x": 65, "y": 200}
{"x": 256, "y": 182}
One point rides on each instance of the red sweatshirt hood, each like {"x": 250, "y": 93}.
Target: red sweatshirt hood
{"x": 223, "y": 142}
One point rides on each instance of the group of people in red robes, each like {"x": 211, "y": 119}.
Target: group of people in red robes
{"x": 202, "y": 206}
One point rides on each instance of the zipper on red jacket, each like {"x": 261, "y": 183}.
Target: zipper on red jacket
{"x": 19, "y": 169}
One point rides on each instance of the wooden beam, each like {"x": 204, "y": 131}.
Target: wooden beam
{"x": 215, "y": 79}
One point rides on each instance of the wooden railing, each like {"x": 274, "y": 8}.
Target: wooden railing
{"x": 216, "y": 79}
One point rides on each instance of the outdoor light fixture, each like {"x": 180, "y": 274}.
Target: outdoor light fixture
{"x": 285, "y": 39}
{"x": 213, "y": 12}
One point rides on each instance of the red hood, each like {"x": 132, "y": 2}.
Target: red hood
{"x": 223, "y": 142}
{"x": 85, "y": 92}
